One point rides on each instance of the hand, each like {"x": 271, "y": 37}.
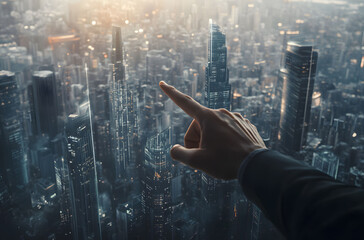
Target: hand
{"x": 217, "y": 141}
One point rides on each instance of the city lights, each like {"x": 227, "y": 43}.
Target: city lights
{"x": 86, "y": 132}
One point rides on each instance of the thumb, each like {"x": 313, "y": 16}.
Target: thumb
{"x": 193, "y": 157}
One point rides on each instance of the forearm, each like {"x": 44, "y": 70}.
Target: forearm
{"x": 301, "y": 201}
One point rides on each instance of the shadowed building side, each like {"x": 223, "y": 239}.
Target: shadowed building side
{"x": 298, "y": 77}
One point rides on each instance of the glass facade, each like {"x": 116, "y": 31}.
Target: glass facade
{"x": 13, "y": 157}
{"x": 217, "y": 87}
{"x": 83, "y": 179}
{"x": 156, "y": 195}
{"x": 298, "y": 76}
{"x": 45, "y": 103}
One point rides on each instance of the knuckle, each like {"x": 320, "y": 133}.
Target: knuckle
{"x": 223, "y": 110}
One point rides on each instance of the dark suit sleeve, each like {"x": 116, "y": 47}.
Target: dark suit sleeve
{"x": 302, "y": 202}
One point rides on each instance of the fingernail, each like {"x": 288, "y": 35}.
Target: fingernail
{"x": 163, "y": 83}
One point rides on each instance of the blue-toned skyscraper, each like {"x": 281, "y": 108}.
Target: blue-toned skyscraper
{"x": 122, "y": 115}
{"x": 83, "y": 178}
{"x": 13, "y": 158}
{"x": 45, "y": 103}
{"x": 156, "y": 195}
{"x": 217, "y": 87}
{"x": 298, "y": 77}
{"x": 64, "y": 195}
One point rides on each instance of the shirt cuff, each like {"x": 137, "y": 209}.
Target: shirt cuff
{"x": 247, "y": 160}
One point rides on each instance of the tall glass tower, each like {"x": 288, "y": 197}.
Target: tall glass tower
{"x": 45, "y": 102}
{"x": 298, "y": 77}
{"x": 83, "y": 179}
{"x": 217, "y": 87}
{"x": 122, "y": 114}
{"x": 117, "y": 45}
{"x": 156, "y": 195}
{"x": 217, "y": 91}
{"x": 13, "y": 159}
{"x": 118, "y": 111}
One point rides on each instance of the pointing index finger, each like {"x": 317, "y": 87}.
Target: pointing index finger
{"x": 185, "y": 102}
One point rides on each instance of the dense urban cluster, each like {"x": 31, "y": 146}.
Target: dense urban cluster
{"x": 85, "y": 131}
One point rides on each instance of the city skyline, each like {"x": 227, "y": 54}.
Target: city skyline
{"x": 87, "y": 131}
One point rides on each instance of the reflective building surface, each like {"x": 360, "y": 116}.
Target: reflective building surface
{"x": 298, "y": 76}
{"x": 83, "y": 180}
{"x": 217, "y": 88}
{"x": 156, "y": 195}
{"x": 13, "y": 164}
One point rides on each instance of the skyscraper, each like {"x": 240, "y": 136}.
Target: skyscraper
{"x": 117, "y": 45}
{"x": 298, "y": 77}
{"x": 122, "y": 115}
{"x": 326, "y": 161}
{"x": 63, "y": 191}
{"x": 83, "y": 179}
{"x": 217, "y": 91}
{"x": 217, "y": 87}
{"x": 156, "y": 195}
{"x": 45, "y": 103}
{"x": 129, "y": 220}
{"x": 13, "y": 159}
{"x": 117, "y": 113}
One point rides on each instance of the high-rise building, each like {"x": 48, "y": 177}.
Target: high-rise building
{"x": 217, "y": 91}
{"x": 5, "y": 199}
{"x": 326, "y": 161}
{"x": 298, "y": 77}
{"x": 217, "y": 87}
{"x": 124, "y": 221}
{"x": 44, "y": 103}
{"x": 129, "y": 220}
{"x": 83, "y": 178}
{"x": 117, "y": 45}
{"x": 13, "y": 164}
{"x": 63, "y": 191}
{"x": 122, "y": 114}
{"x": 156, "y": 195}
{"x": 43, "y": 158}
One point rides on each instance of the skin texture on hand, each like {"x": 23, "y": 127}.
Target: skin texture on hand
{"x": 217, "y": 141}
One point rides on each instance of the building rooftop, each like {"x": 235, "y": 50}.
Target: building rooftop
{"x": 42, "y": 74}
{"x": 300, "y": 48}
{"x": 73, "y": 116}
{"x": 6, "y": 73}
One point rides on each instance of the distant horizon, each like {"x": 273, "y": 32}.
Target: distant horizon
{"x": 337, "y": 2}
